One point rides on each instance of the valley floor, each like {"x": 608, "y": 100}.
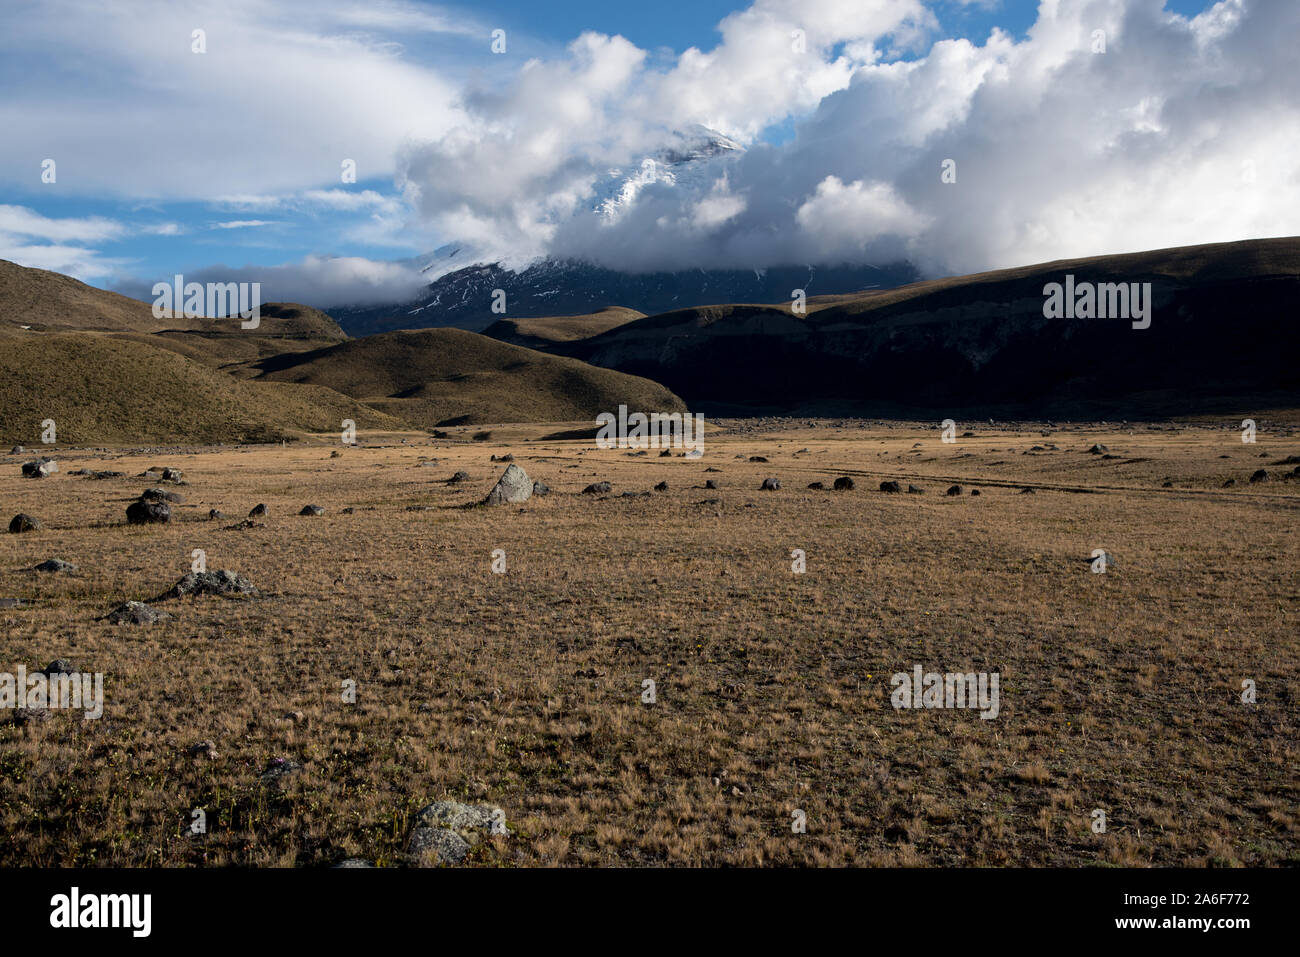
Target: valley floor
{"x": 1120, "y": 692}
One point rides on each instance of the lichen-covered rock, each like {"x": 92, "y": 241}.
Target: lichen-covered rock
{"x": 447, "y": 830}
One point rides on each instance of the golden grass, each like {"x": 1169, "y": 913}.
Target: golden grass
{"x": 1119, "y": 692}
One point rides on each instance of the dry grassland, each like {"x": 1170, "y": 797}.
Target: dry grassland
{"x": 1119, "y": 691}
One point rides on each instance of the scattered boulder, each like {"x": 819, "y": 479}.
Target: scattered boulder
{"x": 975, "y": 491}
{"x": 204, "y": 749}
{"x": 757, "y": 458}
{"x": 710, "y": 484}
{"x": 891, "y": 487}
{"x": 101, "y": 475}
{"x": 222, "y": 582}
{"x": 1229, "y": 484}
{"x": 1098, "y": 449}
{"x": 22, "y": 522}
{"x": 135, "y": 613}
{"x": 55, "y": 565}
{"x": 148, "y": 513}
{"x": 504, "y": 458}
{"x": 541, "y": 488}
{"x": 40, "y": 468}
{"x": 1108, "y": 560}
{"x": 1027, "y": 490}
{"x": 160, "y": 495}
{"x": 458, "y": 477}
{"x": 597, "y": 488}
{"x": 712, "y": 469}
{"x": 661, "y": 487}
{"x": 312, "y": 510}
{"x": 666, "y": 454}
{"x": 172, "y": 475}
{"x": 258, "y": 511}
{"x": 770, "y": 485}
{"x": 513, "y": 486}
{"x": 241, "y": 526}
{"x": 817, "y": 485}
{"x": 915, "y": 490}
{"x": 1260, "y": 475}
{"x": 17, "y": 450}
{"x": 694, "y": 454}
{"x": 954, "y": 490}
{"x": 215, "y": 515}
{"x": 844, "y": 484}
{"x": 59, "y": 666}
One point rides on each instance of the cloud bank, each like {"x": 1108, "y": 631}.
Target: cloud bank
{"x": 1113, "y": 126}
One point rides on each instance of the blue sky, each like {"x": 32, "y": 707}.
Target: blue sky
{"x": 168, "y": 161}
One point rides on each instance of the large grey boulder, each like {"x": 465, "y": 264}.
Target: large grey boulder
{"x": 513, "y": 486}
{"x": 447, "y": 830}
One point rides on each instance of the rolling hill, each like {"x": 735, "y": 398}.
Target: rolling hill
{"x": 437, "y": 377}
{"x": 1222, "y": 339}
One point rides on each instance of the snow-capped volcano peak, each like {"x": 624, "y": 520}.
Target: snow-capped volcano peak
{"x": 687, "y": 159}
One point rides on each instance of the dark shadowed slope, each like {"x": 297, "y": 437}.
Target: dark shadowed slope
{"x": 1223, "y": 337}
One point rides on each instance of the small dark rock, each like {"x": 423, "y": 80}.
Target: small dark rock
{"x": 954, "y": 490}
{"x": 892, "y": 487}
{"x": 23, "y": 522}
{"x": 55, "y": 565}
{"x": 597, "y": 488}
{"x": 257, "y": 511}
{"x": 148, "y": 513}
{"x": 312, "y": 510}
{"x": 135, "y": 613}
{"x": 844, "y": 484}
{"x": 770, "y": 485}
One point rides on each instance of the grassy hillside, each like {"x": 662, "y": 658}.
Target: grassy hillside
{"x": 102, "y": 390}
{"x": 433, "y": 377}
{"x": 50, "y": 301}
